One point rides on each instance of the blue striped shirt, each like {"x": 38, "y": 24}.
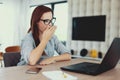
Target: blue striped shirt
{"x": 28, "y": 44}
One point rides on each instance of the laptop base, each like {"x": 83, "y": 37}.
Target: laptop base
{"x": 85, "y": 68}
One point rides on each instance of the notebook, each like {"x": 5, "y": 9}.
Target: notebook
{"x": 58, "y": 75}
{"x": 109, "y": 62}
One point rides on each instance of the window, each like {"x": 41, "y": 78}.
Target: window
{"x": 61, "y": 14}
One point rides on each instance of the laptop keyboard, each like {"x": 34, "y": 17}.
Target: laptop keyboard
{"x": 92, "y": 67}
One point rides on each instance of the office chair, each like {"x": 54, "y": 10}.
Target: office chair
{"x": 11, "y": 59}
{"x": 12, "y": 49}
{"x": 1, "y": 58}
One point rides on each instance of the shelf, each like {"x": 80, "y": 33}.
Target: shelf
{"x": 89, "y": 58}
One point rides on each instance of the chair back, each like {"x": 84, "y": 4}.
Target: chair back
{"x": 1, "y": 55}
{"x": 11, "y": 59}
{"x": 12, "y": 49}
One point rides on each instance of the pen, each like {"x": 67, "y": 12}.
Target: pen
{"x": 64, "y": 75}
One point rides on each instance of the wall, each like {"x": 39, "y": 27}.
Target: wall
{"x": 41, "y": 2}
{"x": 13, "y": 22}
{"x": 110, "y": 8}
{"x": 8, "y": 21}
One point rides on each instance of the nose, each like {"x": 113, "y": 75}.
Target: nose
{"x": 50, "y": 24}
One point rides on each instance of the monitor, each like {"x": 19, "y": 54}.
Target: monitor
{"x": 89, "y": 28}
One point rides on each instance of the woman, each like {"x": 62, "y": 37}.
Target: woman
{"x": 41, "y": 41}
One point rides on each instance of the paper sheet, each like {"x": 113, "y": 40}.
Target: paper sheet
{"x": 58, "y": 75}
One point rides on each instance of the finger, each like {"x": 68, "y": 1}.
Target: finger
{"x": 53, "y": 28}
{"x": 42, "y": 64}
{"x": 48, "y": 28}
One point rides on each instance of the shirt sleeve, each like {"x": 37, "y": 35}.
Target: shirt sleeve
{"x": 27, "y": 46}
{"x": 59, "y": 47}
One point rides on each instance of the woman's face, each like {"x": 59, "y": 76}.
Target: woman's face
{"x": 42, "y": 23}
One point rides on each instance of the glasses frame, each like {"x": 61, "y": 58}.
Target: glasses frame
{"x": 50, "y": 21}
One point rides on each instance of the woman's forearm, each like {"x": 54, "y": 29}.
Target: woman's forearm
{"x": 65, "y": 56}
{"x": 36, "y": 53}
{"x": 53, "y": 59}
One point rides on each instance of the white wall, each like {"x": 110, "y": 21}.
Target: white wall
{"x": 110, "y": 8}
{"x": 8, "y": 21}
{"x": 13, "y": 22}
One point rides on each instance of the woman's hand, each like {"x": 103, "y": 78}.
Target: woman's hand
{"x": 47, "y": 34}
{"x": 47, "y": 61}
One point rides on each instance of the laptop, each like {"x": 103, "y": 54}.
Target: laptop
{"x": 109, "y": 62}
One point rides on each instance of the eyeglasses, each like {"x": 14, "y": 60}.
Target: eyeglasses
{"x": 48, "y": 21}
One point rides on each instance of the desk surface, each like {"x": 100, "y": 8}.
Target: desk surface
{"x": 18, "y": 73}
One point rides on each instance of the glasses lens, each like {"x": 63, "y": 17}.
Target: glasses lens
{"x": 46, "y": 21}
{"x": 53, "y": 21}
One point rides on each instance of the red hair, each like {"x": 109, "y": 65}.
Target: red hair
{"x": 35, "y": 18}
